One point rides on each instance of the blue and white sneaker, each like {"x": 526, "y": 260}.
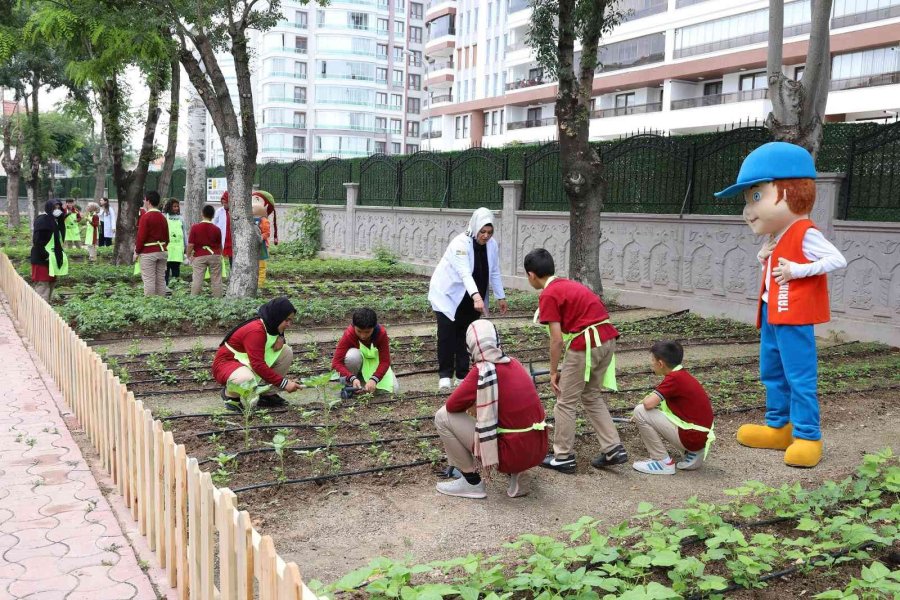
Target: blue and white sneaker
{"x": 655, "y": 467}
{"x": 692, "y": 461}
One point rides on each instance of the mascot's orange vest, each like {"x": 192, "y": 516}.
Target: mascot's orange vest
{"x": 799, "y": 301}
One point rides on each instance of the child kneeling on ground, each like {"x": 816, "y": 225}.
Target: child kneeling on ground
{"x": 363, "y": 355}
{"x": 677, "y": 411}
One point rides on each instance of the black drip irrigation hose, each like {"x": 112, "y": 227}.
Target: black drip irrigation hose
{"x": 319, "y": 478}
{"x": 219, "y": 414}
{"x": 310, "y": 426}
{"x": 429, "y": 436}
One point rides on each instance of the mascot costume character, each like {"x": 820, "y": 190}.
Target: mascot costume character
{"x": 263, "y": 205}
{"x": 777, "y": 181}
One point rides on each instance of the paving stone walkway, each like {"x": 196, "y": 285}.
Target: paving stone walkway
{"x": 58, "y": 535}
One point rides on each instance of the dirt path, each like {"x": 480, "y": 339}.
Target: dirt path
{"x": 343, "y": 526}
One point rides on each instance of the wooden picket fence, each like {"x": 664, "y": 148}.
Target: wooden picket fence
{"x": 192, "y": 526}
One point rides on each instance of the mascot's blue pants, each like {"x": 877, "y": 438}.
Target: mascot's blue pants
{"x": 788, "y": 367}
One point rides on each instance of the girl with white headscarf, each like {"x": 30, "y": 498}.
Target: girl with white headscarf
{"x": 508, "y": 432}
{"x": 459, "y": 292}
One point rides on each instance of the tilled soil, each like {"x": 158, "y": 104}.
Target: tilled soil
{"x": 333, "y": 528}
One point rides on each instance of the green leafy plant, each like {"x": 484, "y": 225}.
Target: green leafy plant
{"x": 248, "y": 397}
{"x": 281, "y": 442}
{"x": 222, "y": 475}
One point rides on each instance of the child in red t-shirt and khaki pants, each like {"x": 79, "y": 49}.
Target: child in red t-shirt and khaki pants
{"x": 677, "y": 411}
{"x": 579, "y": 326}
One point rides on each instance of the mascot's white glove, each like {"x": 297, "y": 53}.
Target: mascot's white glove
{"x": 782, "y": 272}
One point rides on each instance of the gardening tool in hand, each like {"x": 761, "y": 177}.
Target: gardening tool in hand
{"x": 348, "y": 391}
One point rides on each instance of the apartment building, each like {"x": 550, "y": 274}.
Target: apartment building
{"x": 344, "y": 80}
{"x": 673, "y": 66}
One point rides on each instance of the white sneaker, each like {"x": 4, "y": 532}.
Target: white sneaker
{"x": 692, "y": 461}
{"x": 444, "y": 384}
{"x": 462, "y": 489}
{"x": 655, "y": 467}
{"x": 516, "y": 488}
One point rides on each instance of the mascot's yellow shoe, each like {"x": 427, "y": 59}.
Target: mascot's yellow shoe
{"x": 803, "y": 453}
{"x": 763, "y": 436}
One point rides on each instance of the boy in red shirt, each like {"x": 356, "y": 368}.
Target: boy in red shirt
{"x": 678, "y": 411}
{"x": 151, "y": 244}
{"x": 205, "y": 252}
{"x": 579, "y": 325}
{"x": 363, "y": 356}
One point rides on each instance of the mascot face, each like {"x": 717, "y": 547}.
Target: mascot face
{"x": 259, "y": 207}
{"x": 765, "y": 212}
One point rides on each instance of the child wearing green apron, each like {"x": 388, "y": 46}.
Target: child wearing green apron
{"x": 677, "y": 411}
{"x": 363, "y": 355}
{"x": 92, "y": 230}
{"x": 177, "y": 239}
{"x": 73, "y": 217}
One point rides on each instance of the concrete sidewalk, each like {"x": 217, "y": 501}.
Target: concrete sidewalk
{"x": 59, "y": 537}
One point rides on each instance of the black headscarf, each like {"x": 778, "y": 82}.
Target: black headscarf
{"x": 272, "y": 313}
{"x": 45, "y": 228}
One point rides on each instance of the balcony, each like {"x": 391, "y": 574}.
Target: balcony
{"x": 527, "y": 83}
{"x": 716, "y": 99}
{"x": 283, "y": 149}
{"x": 287, "y": 74}
{"x": 638, "y": 109}
{"x": 391, "y": 107}
{"x": 441, "y": 75}
{"x": 683, "y": 3}
{"x": 289, "y": 50}
{"x": 876, "y": 14}
{"x": 531, "y": 123}
{"x": 286, "y": 100}
{"x": 737, "y": 42}
{"x": 865, "y": 81}
{"x": 441, "y": 98}
{"x": 285, "y": 24}
{"x": 282, "y": 125}
{"x": 441, "y": 40}
{"x": 348, "y": 76}
{"x": 430, "y": 135}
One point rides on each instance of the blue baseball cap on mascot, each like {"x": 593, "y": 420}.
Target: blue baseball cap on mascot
{"x": 775, "y": 160}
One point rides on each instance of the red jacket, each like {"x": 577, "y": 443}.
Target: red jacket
{"x": 518, "y": 407}
{"x": 251, "y": 340}
{"x": 801, "y": 301}
{"x": 350, "y": 340}
{"x": 152, "y": 228}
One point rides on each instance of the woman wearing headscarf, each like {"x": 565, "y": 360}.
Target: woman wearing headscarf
{"x": 458, "y": 292}
{"x": 508, "y": 432}
{"x": 48, "y": 260}
{"x": 255, "y": 350}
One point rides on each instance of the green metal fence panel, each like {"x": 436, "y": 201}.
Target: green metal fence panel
{"x": 873, "y": 177}
{"x": 424, "y": 180}
{"x": 473, "y": 179}
{"x": 646, "y": 173}
{"x": 176, "y": 187}
{"x": 331, "y": 175}
{"x": 542, "y": 181}
{"x": 379, "y": 181}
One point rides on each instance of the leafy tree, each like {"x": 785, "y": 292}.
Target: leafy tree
{"x": 12, "y": 162}
{"x": 555, "y": 26}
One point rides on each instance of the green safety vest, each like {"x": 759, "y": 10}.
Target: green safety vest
{"x": 176, "y": 240}
{"x": 271, "y": 354}
{"x": 73, "y": 233}
{"x": 370, "y": 364}
{"x": 682, "y": 424}
{"x": 56, "y": 270}
{"x": 591, "y": 335}
{"x": 89, "y": 233}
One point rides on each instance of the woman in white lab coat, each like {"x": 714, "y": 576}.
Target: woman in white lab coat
{"x": 459, "y": 292}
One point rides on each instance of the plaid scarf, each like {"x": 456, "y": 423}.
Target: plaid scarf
{"x": 484, "y": 347}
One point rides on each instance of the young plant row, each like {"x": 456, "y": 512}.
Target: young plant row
{"x": 701, "y": 550}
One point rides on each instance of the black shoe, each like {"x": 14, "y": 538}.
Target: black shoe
{"x": 271, "y": 401}
{"x": 616, "y": 456}
{"x": 233, "y": 404}
{"x": 563, "y": 465}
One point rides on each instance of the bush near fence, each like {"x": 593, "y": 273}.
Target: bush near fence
{"x": 645, "y": 173}
{"x": 208, "y": 548}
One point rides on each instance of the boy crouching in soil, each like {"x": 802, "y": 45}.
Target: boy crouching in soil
{"x": 678, "y": 411}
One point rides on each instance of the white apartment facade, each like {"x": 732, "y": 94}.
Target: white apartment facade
{"x": 674, "y": 66}
{"x": 343, "y": 81}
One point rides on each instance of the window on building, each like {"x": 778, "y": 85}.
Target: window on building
{"x": 490, "y": 10}
{"x": 380, "y": 147}
{"x": 358, "y": 20}
{"x": 300, "y": 70}
{"x": 798, "y": 73}
{"x": 534, "y": 114}
{"x": 496, "y": 48}
{"x": 754, "y": 81}
{"x": 496, "y": 83}
{"x": 625, "y": 100}
{"x": 396, "y": 100}
{"x": 459, "y": 128}
{"x": 414, "y": 82}
{"x": 487, "y": 123}
{"x": 301, "y": 19}
{"x": 383, "y": 27}
{"x": 413, "y": 106}
{"x": 412, "y": 128}
{"x": 300, "y": 94}
{"x": 466, "y": 126}
{"x": 396, "y": 126}
{"x": 536, "y": 74}
{"x": 415, "y": 34}
{"x": 495, "y": 120}
{"x": 299, "y": 144}
{"x": 381, "y": 98}
{"x": 412, "y": 148}
{"x": 502, "y": 111}
{"x": 381, "y": 74}
{"x": 416, "y": 10}
{"x": 381, "y": 50}
{"x": 400, "y": 5}
{"x": 300, "y": 45}
{"x": 396, "y": 148}
{"x": 398, "y": 78}
{"x": 415, "y": 58}
{"x": 300, "y": 120}
{"x": 398, "y": 53}
{"x": 631, "y": 53}
{"x": 399, "y": 27}
{"x": 487, "y": 86}
{"x": 380, "y": 123}
{"x": 712, "y": 88}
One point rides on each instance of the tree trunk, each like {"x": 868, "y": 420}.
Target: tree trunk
{"x": 33, "y": 181}
{"x": 101, "y": 164}
{"x": 129, "y": 184}
{"x": 13, "y": 167}
{"x": 798, "y": 107}
{"x": 165, "y": 178}
{"x": 244, "y": 278}
{"x": 12, "y": 196}
{"x": 581, "y": 168}
{"x": 195, "y": 172}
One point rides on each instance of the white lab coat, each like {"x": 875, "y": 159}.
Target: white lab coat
{"x": 108, "y": 219}
{"x": 452, "y": 278}
{"x": 220, "y": 220}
